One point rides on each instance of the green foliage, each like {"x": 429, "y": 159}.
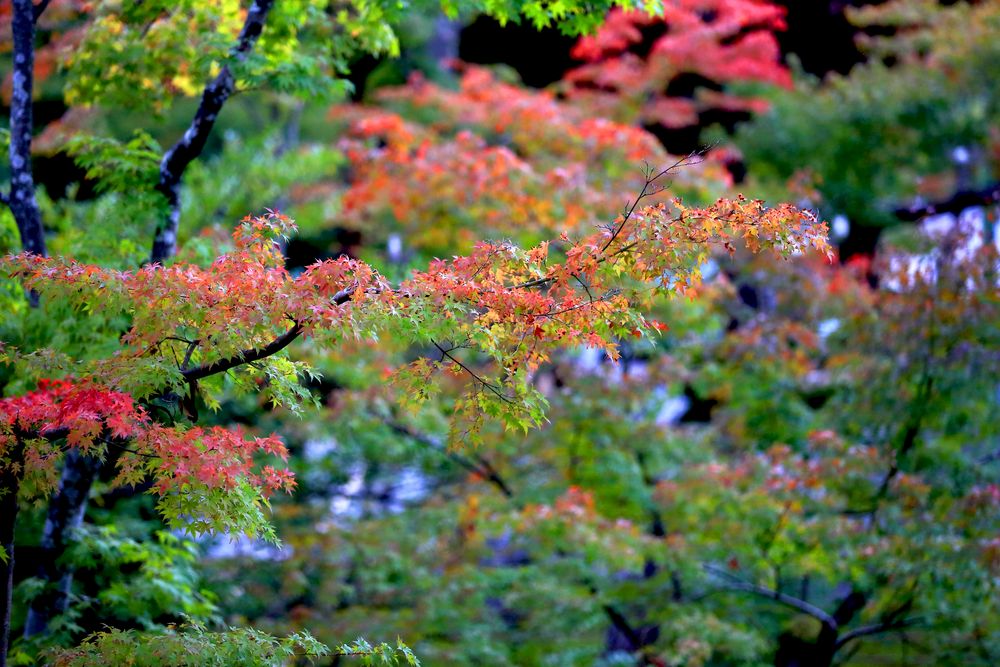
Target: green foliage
{"x": 383, "y": 654}
{"x": 238, "y": 510}
{"x": 119, "y": 167}
{"x": 869, "y": 141}
{"x": 131, "y": 582}
{"x": 490, "y": 511}
{"x": 142, "y": 56}
{"x": 190, "y": 644}
{"x": 166, "y": 583}
{"x": 193, "y": 644}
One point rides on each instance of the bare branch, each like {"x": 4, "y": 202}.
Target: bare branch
{"x": 648, "y": 191}
{"x": 958, "y": 202}
{"x": 621, "y": 624}
{"x": 187, "y": 354}
{"x": 489, "y": 385}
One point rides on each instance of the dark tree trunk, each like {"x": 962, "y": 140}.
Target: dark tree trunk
{"x": 21, "y": 200}
{"x": 8, "y": 514}
{"x": 24, "y": 208}
{"x": 22, "y": 184}
{"x": 795, "y": 651}
{"x": 190, "y": 146}
{"x": 9, "y": 485}
{"x": 66, "y": 510}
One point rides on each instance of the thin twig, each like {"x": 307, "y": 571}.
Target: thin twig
{"x": 489, "y": 385}
{"x": 479, "y": 465}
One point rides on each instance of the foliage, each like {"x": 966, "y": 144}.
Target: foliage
{"x": 166, "y": 583}
{"x": 869, "y": 142}
{"x": 246, "y": 647}
{"x": 192, "y": 644}
{"x": 204, "y": 476}
{"x": 637, "y": 65}
{"x": 513, "y": 442}
{"x": 845, "y": 463}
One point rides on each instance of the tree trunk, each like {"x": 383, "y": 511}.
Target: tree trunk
{"x": 176, "y": 160}
{"x": 22, "y": 202}
{"x": 796, "y": 651}
{"x": 66, "y": 510}
{"x": 9, "y": 485}
{"x": 442, "y": 47}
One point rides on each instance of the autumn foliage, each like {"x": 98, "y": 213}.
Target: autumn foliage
{"x": 522, "y": 387}
{"x": 104, "y": 423}
{"x": 631, "y": 62}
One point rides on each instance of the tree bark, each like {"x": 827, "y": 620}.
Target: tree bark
{"x": 9, "y": 485}
{"x": 176, "y": 160}
{"x": 24, "y": 208}
{"x": 67, "y": 507}
{"x": 795, "y": 651}
{"x": 21, "y": 200}
{"x": 23, "y": 204}
{"x": 66, "y": 510}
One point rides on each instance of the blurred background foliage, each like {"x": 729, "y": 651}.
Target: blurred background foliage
{"x": 800, "y": 470}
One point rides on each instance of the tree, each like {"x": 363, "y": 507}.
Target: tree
{"x": 840, "y": 493}
{"x": 669, "y": 71}
{"x": 167, "y": 51}
{"x": 909, "y": 133}
{"x": 529, "y": 452}
{"x": 187, "y": 326}
{"x": 827, "y": 490}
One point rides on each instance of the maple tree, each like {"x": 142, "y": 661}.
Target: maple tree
{"x": 212, "y": 49}
{"x": 841, "y": 493}
{"x": 637, "y": 66}
{"x": 187, "y": 326}
{"x": 827, "y": 491}
{"x": 838, "y": 501}
{"x": 908, "y": 133}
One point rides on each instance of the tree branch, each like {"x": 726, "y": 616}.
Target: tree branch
{"x": 479, "y": 465}
{"x": 958, "y": 202}
{"x": 245, "y": 357}
{"x": 646, "y": 192}
{"x": 623, "y": 626}
{"x": 734, "y": 583}
{"x": 40, "y": 8}
{"x": 257, "y": 353}
{"x": 874, "y": 629}
{"x": 489, "y": 385}
{"x": 190, "y": 146}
